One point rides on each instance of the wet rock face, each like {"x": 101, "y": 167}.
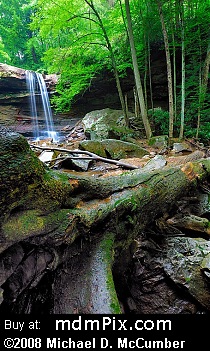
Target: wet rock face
{"x": 167, "y": 276}
{"x": 14, "y": 97}
{"x": 12, "y": 85}
{"x": 12, "y": 79}
{"x": 103, "y": 92}
{"x": 187, "y": 263}
{"x": 9, "y": 261}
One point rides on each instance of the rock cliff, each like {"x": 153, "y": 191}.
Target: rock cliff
{"x": 14, "y": 103}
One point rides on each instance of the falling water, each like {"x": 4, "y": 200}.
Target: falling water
{"x": 31, "y": 85}
{"x": 34, "y": 79}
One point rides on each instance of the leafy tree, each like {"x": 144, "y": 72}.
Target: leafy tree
{"x": 80, "y": 46}
{"x": 197, "y": 18}
{"x": 4, "y": 57}
{"x": 15, "y": 33}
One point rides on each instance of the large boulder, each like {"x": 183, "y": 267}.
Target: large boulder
{"x": 172, "y": 276}
{"x": 20, "y": 169}
{"x": 117, "y": 149}
{"x": 112, "y": 148}
{"x": 187, "y": 263}
{"x": 105, "y": 124}
{"x": 159, "y": 142}
{"x": 94, "y": 146}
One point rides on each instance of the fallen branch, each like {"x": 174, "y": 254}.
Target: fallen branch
{"x": 91, "y": 154}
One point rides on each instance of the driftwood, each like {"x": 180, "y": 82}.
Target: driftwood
{"x": 90, "y": 156}
{"x": 65, "y": 217}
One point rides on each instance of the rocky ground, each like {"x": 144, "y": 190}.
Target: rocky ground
{"x": 156, "y": 156}
{"x": 165, "y": 270}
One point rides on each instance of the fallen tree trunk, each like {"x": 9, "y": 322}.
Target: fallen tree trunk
{"x": 55, "y": 211}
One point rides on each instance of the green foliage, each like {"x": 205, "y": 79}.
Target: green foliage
{"x": 78, "y": 45}
{"x": 160, "y": 121}
{"x": 4, "y": 57}
{"x": 72, "y": 83}
{"x": 203, "y": 135}
{"x": 79, "y": 39}
{"x": 16, "y": 34}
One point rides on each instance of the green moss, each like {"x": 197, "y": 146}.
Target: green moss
{"x": 94, "y": 146}
{"x": 122, "y": 132}
{"x": 61, "y": 176}
{"x": 31, "y": 223}
{"x": 30, "y": 184}
{"x": 122, "y": 149}
{"x": 108, "y": 256}
{"x": 53, "y": 192}
{"x": 158, "y": 141}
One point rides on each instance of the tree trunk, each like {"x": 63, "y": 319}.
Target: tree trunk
{"x": 199, "y": 90}
{"x": 203, "y": 84}
{"x": 181, "y": 134}
{"x": 150, "y": 75}
{"x": 119, "y": 89}
{"x": 174, "y": 80}
{"x": 137, "y": 74}
{"x": 169, "y": 72}
{"x": 206, "y": 70}
{"x": 173, "y": 9}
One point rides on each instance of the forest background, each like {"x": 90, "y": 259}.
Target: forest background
{"x": 79, "y": 40}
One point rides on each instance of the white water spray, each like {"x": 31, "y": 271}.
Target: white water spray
{"x": 31, "y": 85}
{"x": 34, "y": 79}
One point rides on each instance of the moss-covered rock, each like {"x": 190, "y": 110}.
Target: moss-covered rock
{"x": 159, "y": 142}
{"x": 112, "y": 148}
{"x": 20, "y": 169}
{"x": 106, "y": 123}
{"x": 25, "y": 183}
{"x": 26, "y": 224}
{"x": 94, "y": 146}
{"x": 118, "y": 149}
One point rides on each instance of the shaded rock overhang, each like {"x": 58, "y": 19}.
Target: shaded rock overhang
{"x": 13, "y": 79}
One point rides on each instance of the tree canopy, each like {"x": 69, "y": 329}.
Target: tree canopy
{"x": 80, "y": 39}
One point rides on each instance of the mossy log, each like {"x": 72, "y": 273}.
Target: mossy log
{"x": 191, "y": 222}
{"x": 51, "y": 209}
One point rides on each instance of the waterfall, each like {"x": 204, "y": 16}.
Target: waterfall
{"x": 31, "y": 85}
{"x": 36, "y": 86}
